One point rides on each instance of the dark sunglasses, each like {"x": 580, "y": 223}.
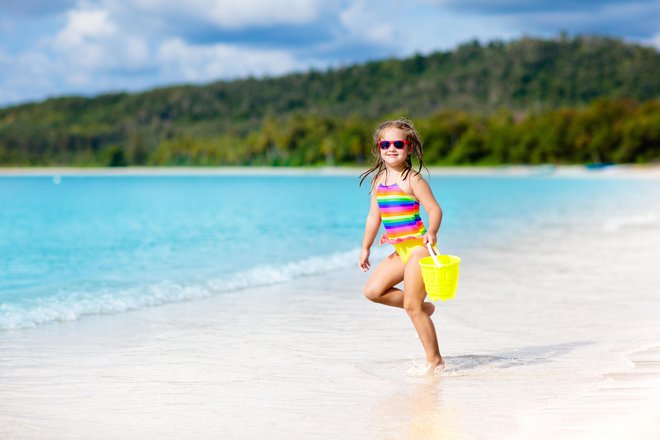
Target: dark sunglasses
{"x": 384, "y": 145}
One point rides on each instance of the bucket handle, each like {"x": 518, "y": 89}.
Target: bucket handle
{"x": 433, "y": 254}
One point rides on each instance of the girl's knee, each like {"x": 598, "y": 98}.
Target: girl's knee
{"x": 372, "y": 293}
{"x": 413, "y": 307}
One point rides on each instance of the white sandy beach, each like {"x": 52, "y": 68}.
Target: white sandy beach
{"x": 233, "y": 368}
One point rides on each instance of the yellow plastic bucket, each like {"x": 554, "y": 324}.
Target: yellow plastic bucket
{"x": 440, "y": 274}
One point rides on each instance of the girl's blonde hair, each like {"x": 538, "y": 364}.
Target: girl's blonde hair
{"x": 414, "y": 140}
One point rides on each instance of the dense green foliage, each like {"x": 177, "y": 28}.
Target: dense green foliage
{"x": 529, "y": 101}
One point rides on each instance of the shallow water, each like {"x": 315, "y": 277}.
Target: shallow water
{"x": 79, "y": 245}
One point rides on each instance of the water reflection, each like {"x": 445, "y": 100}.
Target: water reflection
{"x": 418, "y": 412}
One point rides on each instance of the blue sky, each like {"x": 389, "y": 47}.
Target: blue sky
{"x": 85, "y": 47}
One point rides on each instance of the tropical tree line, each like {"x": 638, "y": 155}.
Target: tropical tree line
{"x": 578, "y": 99}
{"x": 618, "y": 131}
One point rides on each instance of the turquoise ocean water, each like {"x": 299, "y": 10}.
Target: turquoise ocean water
{"x": 77, "y": 245}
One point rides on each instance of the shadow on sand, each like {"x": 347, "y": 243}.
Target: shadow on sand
{"x": 530, "y": 355}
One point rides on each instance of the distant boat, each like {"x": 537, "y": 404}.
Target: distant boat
{"x": 598, "y": 165}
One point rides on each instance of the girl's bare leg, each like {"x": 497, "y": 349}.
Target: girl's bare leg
{"x": 380, "y": 287}
{"x": 413, "y": 300}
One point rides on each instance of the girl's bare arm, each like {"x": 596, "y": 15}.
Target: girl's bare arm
{"x": 370, "y": 231}
{"x": 422, "y": 191}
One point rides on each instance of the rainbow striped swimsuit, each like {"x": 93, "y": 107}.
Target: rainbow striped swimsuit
{"x": 399, "y": 213}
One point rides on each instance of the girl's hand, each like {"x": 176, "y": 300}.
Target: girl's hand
{"x": 429, "y": 238}
{"x": 364, "y": 260}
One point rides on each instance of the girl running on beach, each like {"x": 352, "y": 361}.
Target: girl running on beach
{"x": 396, "y": 193}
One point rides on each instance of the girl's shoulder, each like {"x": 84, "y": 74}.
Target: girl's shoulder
{"x": 414, "y": 182}
{"x": 414, "y": 178}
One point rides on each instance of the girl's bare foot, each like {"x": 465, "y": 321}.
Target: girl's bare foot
{"x": 435, "y": 367}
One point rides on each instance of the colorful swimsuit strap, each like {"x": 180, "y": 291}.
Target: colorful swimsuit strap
{"x": 396, "y": 182}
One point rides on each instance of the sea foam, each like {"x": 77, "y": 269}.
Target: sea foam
{"x": 70, "y": 306}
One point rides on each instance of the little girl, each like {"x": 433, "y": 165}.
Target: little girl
{"x": 396, "y": 192}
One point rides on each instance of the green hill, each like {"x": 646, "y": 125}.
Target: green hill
{"x": 326, "y": 117}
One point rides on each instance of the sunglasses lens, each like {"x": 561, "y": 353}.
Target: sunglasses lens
{"x": 384, "y": 145}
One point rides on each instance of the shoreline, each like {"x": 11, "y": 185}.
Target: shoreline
{"x": 635, "y": 171}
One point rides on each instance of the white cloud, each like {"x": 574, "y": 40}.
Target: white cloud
{"x": 181, "y": 61}
{"x": 83, "y": 26}
{"x": 233, "y": 14}
{"x": 526, "y": 6}
{"x": 402, "y": 29}
{"x": 102, "y": 45}
{"x": 368, "y": 22}
{"x": 104, "y": 48}
{"x": 612, "y": 17}
{"x": 91, "y": 40}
